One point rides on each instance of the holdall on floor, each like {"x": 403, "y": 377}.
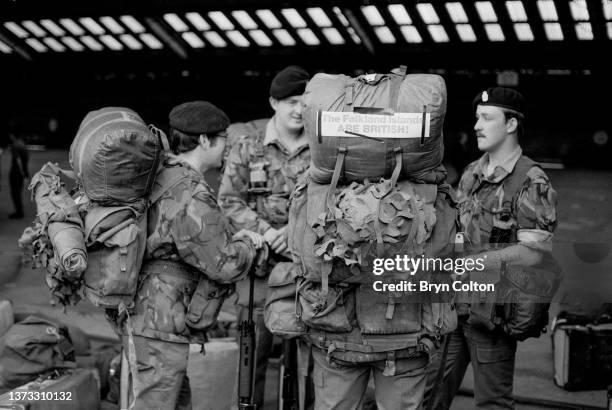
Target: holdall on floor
{"x": 115, "y": 156}
{"x": 67, "y": 390}
{"x": 582, "y": 352}
{"x": 372, "y": 117}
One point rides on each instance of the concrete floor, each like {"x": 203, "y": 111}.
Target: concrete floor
{"x": 585, "y": 217}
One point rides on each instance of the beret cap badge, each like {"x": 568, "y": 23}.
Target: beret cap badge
{"x": 485, "y": 96}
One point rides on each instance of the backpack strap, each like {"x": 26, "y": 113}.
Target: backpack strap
{"x": 166, "y": 181}
{"x": 515, "y": 181}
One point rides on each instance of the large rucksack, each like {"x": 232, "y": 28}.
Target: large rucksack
{"x": 115, "y": 156}
{"x": 116, "y": 241}
{"x": 372, "y": 118}
{"x": 336, "y": 248}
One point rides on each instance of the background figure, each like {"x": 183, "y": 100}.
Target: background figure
{"x": 18, "y": 173}
{"x": 261, "y": 171}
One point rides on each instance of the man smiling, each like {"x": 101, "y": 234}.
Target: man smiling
{"x": 261, "y": 171}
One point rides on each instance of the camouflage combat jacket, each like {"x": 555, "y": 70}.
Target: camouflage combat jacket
{"x": 283, "y": 170}
{"x": 533, "y": 215}
{"x": 186, "y": 226}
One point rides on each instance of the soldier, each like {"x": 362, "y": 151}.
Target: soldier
{"x": 504, "y": 199}
{"x": 261, "y": 172}
{"x": 18, "y": 174}
{"x": 188, "y": 240}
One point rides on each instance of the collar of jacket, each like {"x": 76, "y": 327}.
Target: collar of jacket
{"x": 273, "y": 137}
{"x": 501, "y": 170}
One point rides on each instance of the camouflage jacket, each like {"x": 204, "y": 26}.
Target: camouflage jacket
{"x": 480, "y": 197}
{"x": 283, "y": 170}
{"x": 185, "y": 225}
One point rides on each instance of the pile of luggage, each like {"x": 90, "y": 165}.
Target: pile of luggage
{"x": 47, "y": 364}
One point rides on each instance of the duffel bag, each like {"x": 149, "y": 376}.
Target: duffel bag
{"x": 370, "y": 119}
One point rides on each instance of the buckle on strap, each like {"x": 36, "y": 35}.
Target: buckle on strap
{"x": 390, "y": 364}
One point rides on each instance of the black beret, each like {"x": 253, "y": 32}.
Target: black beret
{"x": 290, "y": 81}
{"x": 198, "y": 117}
{"x": 501, "y": 97}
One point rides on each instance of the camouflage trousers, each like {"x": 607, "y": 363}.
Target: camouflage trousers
{"x": 162, "y": 374}
{"x": 492, "y": 355}
{"x": 342, "y": 385}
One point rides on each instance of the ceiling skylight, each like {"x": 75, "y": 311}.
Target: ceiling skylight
{"x": 373, "y": 16}
{"x": 284, "y": 37}
{"x": 494, "y": 32}
{"x": 244, "y": 19}
{"x": 516, "y": 10}
{"x": 192, "y": 39}
{"x": 319, "y": 17}
{"x": 466, "y": 33}
{"x": 411, "y": 34}
{"x": 72, "y": 27}
{"x": 112, "y": 25}
{"x": 221, "y": 20}
{"x": 175, "y": 22}
{"x": 438, "y": 34}
{"x": 399, "y": 14}
{"x": 132, "y": 24}
{"x": 384, "y": 35}
{"x": 486, "y": 12}
{"x": 523, "y": 32}
{"x": 456, "y": 12}
{"x": 332, "y": 35}
{"x": 268, "y": 18}
{"x": 34, "y": 28}
{"x": 428, "y": 13}
{"x": 52, "y": 27}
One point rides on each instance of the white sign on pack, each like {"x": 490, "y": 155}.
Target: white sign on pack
{"x": 398, "y": 125}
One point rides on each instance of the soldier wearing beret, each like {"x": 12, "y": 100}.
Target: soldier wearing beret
{"x": 261, "y": 171}
{"x": 507, "y": 212}
{"x": 189, "y": 245}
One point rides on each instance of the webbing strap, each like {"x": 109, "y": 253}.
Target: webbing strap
{"x": 335, "y": 177}
{"x": 348, "y": 97}
{"x": 132, "y": 359}
{"x": 515, "y": 180}
{"x": 398, "y": 166}
{"x": 423, "y": 124}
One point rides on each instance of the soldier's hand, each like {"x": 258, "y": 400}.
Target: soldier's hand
{"x": 254, "y": 237}
{"x": 276, "y": 239}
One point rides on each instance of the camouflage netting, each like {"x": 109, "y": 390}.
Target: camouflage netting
{"x": 375, "y": 220}
{"x": 56, "y": 240}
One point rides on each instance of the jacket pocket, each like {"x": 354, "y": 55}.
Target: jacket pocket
{"x": 206, "y": 303}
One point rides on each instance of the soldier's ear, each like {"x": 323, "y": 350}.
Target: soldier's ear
{"x": 273, "y": 103}
{"x": 511, "y": 125}
{"x": 204, "y": 141}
